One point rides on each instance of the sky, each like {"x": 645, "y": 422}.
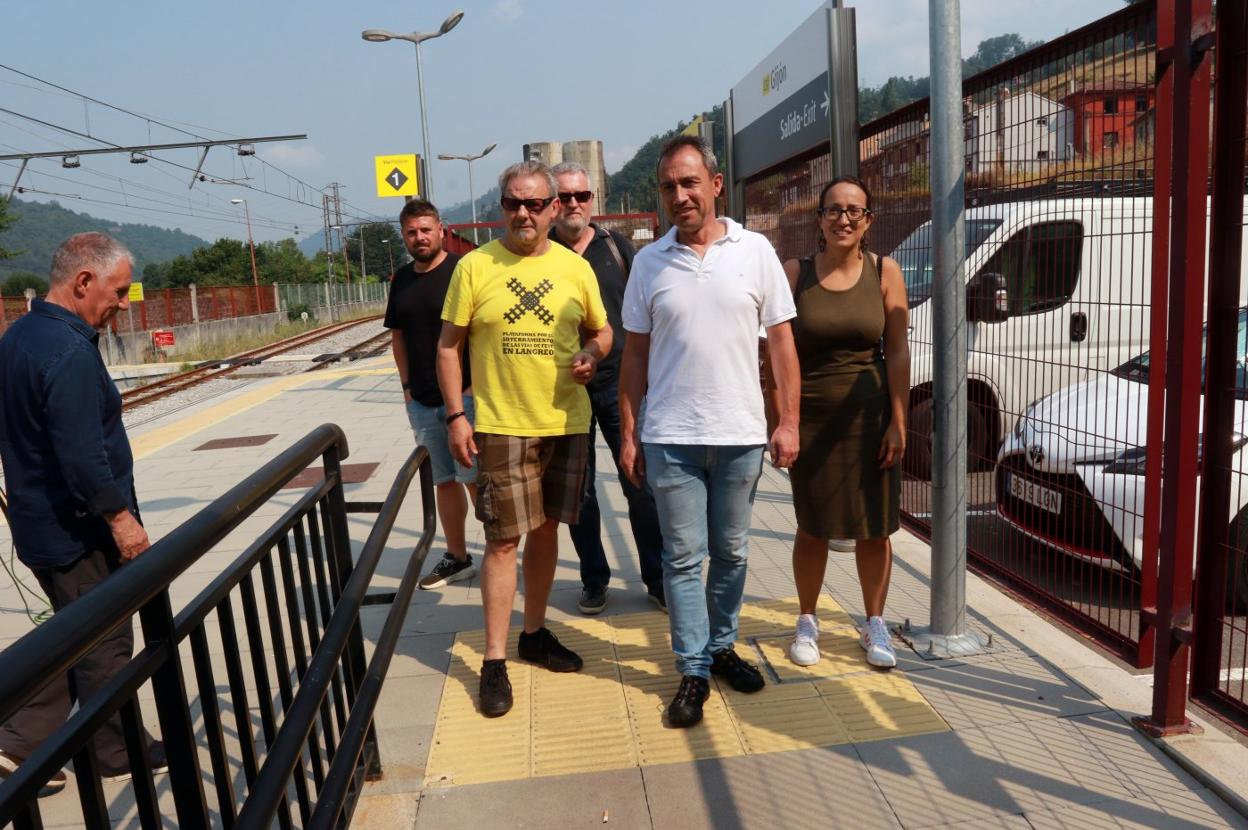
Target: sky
{"x": 512, "y": 71}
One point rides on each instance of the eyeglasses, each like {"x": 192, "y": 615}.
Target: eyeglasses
{"x": 581, "y": 196}
{"x": 512, "y": 204}
{"x": 833, "y": 212}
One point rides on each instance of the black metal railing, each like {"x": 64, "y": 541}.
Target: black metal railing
{"x": 317, "y": 742}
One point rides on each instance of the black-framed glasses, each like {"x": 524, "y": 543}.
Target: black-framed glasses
{"x": 512, "y": 204}
{"x": 581, "y": 196}
{"x": 835, "y": 212}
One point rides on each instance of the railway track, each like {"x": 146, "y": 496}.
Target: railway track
{"x": 211, "y": 370}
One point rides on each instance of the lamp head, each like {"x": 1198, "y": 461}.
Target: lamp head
{"x": 487, "y": 150}
{"x": 451, "y": 22}
{"x": 237, "y": 201}
{"x": 376, "y": 35}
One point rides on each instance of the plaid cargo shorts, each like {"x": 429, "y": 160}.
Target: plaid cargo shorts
{"x": 523, "y": 481}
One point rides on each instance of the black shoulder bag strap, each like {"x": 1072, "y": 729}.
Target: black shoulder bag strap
{"x": 615, "y": 252}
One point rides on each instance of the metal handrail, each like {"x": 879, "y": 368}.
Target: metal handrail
{"x": 286, "y": 753}
{"x": 334, "y": 672}
{"x": 51, "y": 649}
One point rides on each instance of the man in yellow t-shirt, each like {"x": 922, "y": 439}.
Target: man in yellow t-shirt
{"x": 533, "y": 318}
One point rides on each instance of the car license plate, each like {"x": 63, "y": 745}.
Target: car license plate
{"x": 1034, "y": 494}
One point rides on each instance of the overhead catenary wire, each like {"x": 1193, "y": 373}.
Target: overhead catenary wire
{"x": 153, "y": 120}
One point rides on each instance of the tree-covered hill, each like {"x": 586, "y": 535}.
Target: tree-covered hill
{"x": 38, "y": 227}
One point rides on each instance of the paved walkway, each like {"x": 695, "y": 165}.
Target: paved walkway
{"x": 1033, "y": 733}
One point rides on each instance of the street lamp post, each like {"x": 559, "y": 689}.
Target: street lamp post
{"x": 381, "y": 36}
{"x": 251, "y": 244}
{"x": 471, "y": 198}
{"x": 390, "y": 254}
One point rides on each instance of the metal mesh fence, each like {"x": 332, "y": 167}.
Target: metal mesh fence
{"x": 1058, "y": 152}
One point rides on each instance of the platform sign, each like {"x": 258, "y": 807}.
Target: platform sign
{"x": 163, "y": 339}
{"x": 136, "y": 292}
{"x": 782, "y": 108}
{"x": 396, "y": 175}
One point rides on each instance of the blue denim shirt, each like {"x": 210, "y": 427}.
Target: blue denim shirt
{"x": 67, "y": 460}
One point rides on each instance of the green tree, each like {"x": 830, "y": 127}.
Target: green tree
{"x": 224, "y": 262}
{"x": 376, "y": 255}
{"x": 6, "y": 219}
{"x": 17, "y": 284}
{"x": 283, "y": 262}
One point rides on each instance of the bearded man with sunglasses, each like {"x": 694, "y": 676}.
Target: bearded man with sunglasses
{"x": 536, "y": 329}
{"x": 610, "y": 254}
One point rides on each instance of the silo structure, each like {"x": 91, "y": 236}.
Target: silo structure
{"x": 548, "y": 153}
{"x": 589, "y": 154}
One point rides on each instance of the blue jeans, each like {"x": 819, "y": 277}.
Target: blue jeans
{"x": 642, "y": 517}
{"x": 429, "y": 426}
{"x": 704, "y": 495}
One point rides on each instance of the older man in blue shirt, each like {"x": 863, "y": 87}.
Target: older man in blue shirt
{"x": 70, "y": 476}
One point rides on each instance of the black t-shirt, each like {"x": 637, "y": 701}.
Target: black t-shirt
{"x": 611, "y": 282}
{"x": 415, "y": 309}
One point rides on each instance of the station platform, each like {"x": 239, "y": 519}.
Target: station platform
{"x": 1034, "y": 732}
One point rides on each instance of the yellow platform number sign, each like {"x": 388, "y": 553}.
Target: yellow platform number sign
{"x": 397, "y": 175}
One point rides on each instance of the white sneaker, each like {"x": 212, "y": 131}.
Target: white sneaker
{"x": 804, "y": 650}
{"x": 878, "y": 643}
{"x": 843, "y": 545}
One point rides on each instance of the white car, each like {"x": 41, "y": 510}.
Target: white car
{"x": 1071, "y": 472}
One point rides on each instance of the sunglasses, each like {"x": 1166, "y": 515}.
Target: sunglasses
{"x": 512, "y": 204}
{"x": 581, "y": 196}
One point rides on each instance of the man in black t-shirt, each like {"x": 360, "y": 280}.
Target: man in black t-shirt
{"x": 414, "y": 316}
{"x": 610, "y": 254}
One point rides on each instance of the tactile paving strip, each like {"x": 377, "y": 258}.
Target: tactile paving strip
{"x": 610, "y": 714}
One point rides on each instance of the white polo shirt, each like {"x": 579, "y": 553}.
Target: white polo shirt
{"x": 703, "y": 317}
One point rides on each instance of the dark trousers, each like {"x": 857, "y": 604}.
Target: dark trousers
{"x": 48, "y": 709}
{"x": 642, "y": 515}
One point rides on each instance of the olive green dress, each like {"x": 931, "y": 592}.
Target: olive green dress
{"x": 839, "y": 490}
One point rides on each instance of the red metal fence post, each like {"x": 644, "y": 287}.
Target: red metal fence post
{"x": 1186, "y": 59}
{"x": 1226, "y": 226}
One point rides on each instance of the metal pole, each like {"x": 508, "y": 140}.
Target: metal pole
{"x": 424, "y": 129}
{"x": 473, "y": 200}
{"x": 948, "y": 634}
{"x": 363, "y": 273}
{"x": 255, "y": 278}
{"x": 843, "y": 80}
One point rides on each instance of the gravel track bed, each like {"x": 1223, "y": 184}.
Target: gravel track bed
{"x": 340, "y": 341}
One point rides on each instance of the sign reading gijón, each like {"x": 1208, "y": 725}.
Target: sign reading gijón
{"x": 782, "y": 107}
{"x": 396, "y": 175}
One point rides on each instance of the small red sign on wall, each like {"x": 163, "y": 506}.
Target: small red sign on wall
{"x": 162, "y": 339}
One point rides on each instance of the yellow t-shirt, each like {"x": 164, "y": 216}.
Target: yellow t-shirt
{"x": 524, "y": 315}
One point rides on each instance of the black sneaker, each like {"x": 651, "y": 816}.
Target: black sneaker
{"x": 494, "y": 693}
{"x": 686, "y": 708}
{"x": 543, "y": 648}
{"x": 448, "y": 570}
{"x": 9, "y": 764}
{"x": 155, "y": 757}
{"x": 740, "y": 675}
{"x": 657, "y": 597}
{"x": 593, "y": 600}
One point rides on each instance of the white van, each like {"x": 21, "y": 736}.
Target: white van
{"x": 1055, "y": 289}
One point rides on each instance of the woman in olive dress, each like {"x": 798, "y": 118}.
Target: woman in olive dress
{"x": 850, "y": 332}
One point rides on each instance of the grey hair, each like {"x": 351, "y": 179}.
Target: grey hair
{"x": 569, "y": 168}
{"x": 91, "y": 251}
{"x": 527, "y": 168}
{"x": 675, "y": 144}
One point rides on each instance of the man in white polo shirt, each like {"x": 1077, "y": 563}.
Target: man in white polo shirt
{"x": 693, "y": 308}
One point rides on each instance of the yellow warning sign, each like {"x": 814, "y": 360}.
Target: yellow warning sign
{"x": 396, "y": 175}
{"x": 136, "y": 292}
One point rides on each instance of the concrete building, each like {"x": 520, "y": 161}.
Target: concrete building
{"x": 1018, "y": 133}
{"x": 586, "y": 152}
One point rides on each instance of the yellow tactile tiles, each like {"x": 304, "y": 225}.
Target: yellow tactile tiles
{"x": 610, "y": 714}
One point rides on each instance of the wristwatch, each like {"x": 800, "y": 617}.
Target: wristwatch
{"x": 460, "y": 414}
